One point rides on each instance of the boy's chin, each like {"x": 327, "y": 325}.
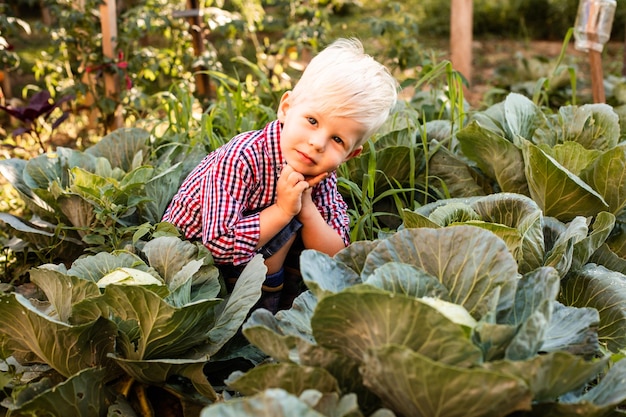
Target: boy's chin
{"x": 308, "y": 174}
{"x": 306, "y": 171}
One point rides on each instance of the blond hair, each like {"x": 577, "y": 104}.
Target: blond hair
{"x": 345, "y": 82}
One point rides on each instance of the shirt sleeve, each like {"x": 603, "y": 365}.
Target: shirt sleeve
{"x": 184, "y": 211}
{"x": 228, "y": 230}
{"x": 332, "y": 207}
{"x": 210, "y": 205}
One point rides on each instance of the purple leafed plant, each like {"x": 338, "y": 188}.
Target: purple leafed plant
{"x": 40, "y": 105}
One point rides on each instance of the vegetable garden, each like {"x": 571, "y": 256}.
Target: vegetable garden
{"x": 487, "y": 273}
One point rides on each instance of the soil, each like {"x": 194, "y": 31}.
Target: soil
{"x": 495, "y": 59}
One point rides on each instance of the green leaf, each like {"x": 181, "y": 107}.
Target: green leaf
{"x": 532, "y": 312}
{"x": 23, "y": 226}
{"x": 264, "y": 331}
{"x": 82, "y": 394}
{"x": 78, "y": 211}
{"x": 324, "y": 275}
{"x": 606, "y": 257}
{"x": 160, "y": 189}
{"x": 293, "y": 378}
{"x": 171, "y": 258}
{"x": 560, "y": 240}
{"x": 468, "y": 261}
{"x": 287, "y": 337}
{"x": 354, "y": 255}
{"x": 521, "y": 213}
{"x": 454, "y": 212}
{"x": 94, "y": 267}
{"x": 599, "y": 401}
{"x": 362, "y": 318}
{"x": 411, "y": 384}
{"x": 557, "y": 191}
{"x": 68, "y": 349}
{"x": 514, "y": 218}
{"x": 278, "y": 335}
{"x": 405, "y": 279}
{"x": 156, "y": 329}
{"x": 493, "y": 338}
{"x": 572, "y": 156}
{"x": 600, "y": 230}
{"x": 120, "y": 147}
{"x": 496, "y": 156}
{"x": 595, "y": 126}
{"x": 522, "y": 117}
{"x": 551, "y": 375}
{"x": 136, "y": 178}
{"x": 388, "y": 162}
{"x": 129, "y": 276}
{"x": 459, "y": 177}
{"x": 13, "y": 171}
{"x": 92, "y": 187}
{"x": 244, "y": 296}
{"x": 597, "y": 287}
{"x": 572, "y": 329}
{"x": 413, "y": 220}
{"x": 607, "y": 175}
{"x": 63, "y": 291}
{"x": 53, "y": 168}
{"x": 159, "y": 371}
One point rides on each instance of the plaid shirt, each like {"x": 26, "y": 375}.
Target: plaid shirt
{"x": 220, "y": 200}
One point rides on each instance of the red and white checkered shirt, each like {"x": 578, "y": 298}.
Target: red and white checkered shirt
{"x": 220, "y": 200}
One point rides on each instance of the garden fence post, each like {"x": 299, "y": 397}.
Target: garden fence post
{"x": 108, "y": 21}
{"x": 5, "y": 87}
{"x": 461, "y": 19}
{"x": 597, "y": 77}
{"x": 203, "y": 86}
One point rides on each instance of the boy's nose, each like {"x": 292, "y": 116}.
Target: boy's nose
{"x": 317, "y": 142}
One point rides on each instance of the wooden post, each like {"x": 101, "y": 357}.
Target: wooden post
{"x": 595, "y": 59}
{"x": 108, "y": 21}
{"x": 461, "y": 21}
{"x": 46, "y": 18}
{"x": 597, "y": 76}
{"x": 5, "y": 87}
{"x": 203, "y": 85}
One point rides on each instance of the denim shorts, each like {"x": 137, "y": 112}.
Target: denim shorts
{"x": 267, "y": 250}
{"x": 280, "y": 239}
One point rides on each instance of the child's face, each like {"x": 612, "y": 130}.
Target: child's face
{"x": 312, "y": 142}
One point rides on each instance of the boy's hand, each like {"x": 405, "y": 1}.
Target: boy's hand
{"x": 313, "y": 181}
{"x": 289, "y": 188}
{"x": 309, "y": 209}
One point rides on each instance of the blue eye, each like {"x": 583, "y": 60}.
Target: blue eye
{"x": 312, "y": 120}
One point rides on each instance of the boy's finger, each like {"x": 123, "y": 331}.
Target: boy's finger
{"x": 286, "y": 170}
{"x": 313, "y": 181}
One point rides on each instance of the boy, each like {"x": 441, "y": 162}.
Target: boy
{"x": 264, "y": 188}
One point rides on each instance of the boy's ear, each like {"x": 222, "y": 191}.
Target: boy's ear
{"x": 283, "y": 106}
{"x": 354, "y": 153}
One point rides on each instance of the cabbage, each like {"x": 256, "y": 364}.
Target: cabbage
{"x": 454, "y": 312}
{"x": 128, "y": 276}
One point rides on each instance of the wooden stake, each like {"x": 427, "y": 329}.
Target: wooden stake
{"x": 203, "y": 83}
{"x": 5, "y": 87}
{"x": 597, "y": 77}
{"x": 461, "y": 21}
{"x": 108, "y": 21}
